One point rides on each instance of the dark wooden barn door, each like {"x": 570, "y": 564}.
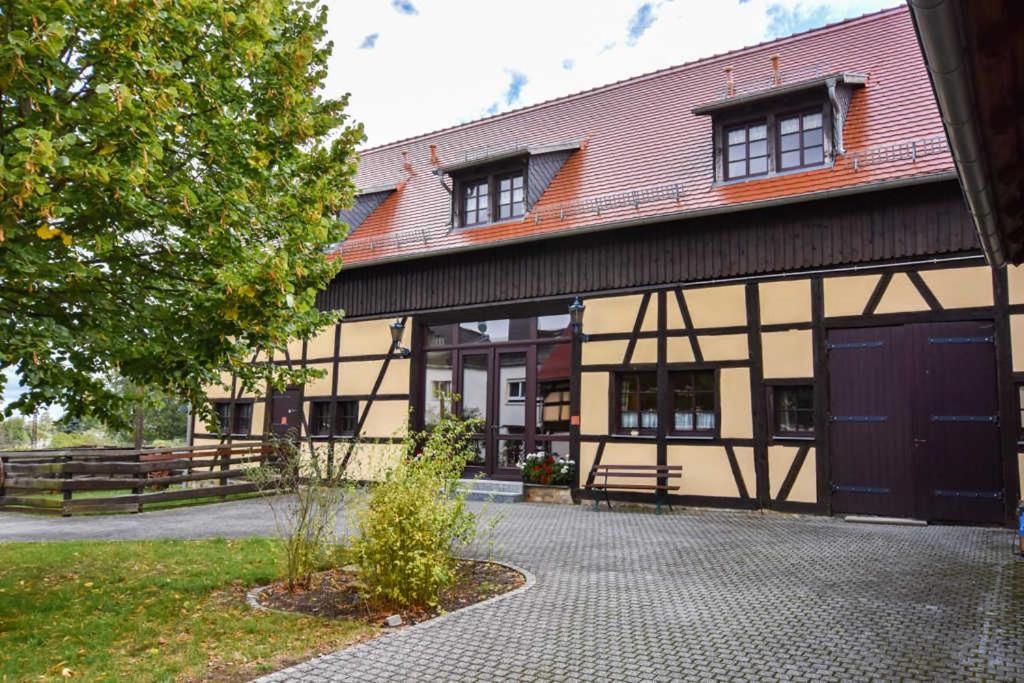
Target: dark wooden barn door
{"x": 912, "y": 420}
{"x": 956, "y": 424}
{"x": 872, "y": 467}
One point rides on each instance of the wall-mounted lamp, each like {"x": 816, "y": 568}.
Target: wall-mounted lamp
{"x": 397, "y": 329}
{"x": 576, "y": 309}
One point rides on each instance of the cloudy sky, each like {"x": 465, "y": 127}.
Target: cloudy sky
{"x": 413, "y": 66}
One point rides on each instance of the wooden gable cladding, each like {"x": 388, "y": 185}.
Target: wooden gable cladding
{"x": 905, "y": 223}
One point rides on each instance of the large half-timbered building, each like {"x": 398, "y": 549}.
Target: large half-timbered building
{"x": 783, "y": 290}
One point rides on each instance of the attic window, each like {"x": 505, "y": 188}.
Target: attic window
{"x": 498, "y": 196}
{"x": 801, "y": 142}
{"x": 746, "y": 151}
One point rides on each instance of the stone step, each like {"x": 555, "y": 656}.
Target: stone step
{"x": 492, "y": 490}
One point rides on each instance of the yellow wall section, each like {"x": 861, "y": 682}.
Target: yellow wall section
{"x": 619, "y": 454}
{"x": 1015, "y": 283}
{"x": 745, "y": 459}
{"x": 960, "y": 287}
{"x": 612, "y": 314}
{"x": 734, "y": 385}
{"x": 322, "y": 345}
{"x": 679, "y": 350}
{"x": 785, "y": 301}
{"x": 788, "y": 354}
{"x": 646, "y": 351}
{"x": 805, "y": 488}
{"x": 294, "y": 352}
{"x": 901, "y": 297}
{"x": 1017, "y": 341}
{"x": 706, "y": 471}
{"x": 321, "y": 386}
{"x": 717, "y": 306}
{"x": 370, "y": 337}
{"x": 650, "y": 322}
{"x": 357, "y": 377}
{"x": 604, "y": 352}
{"x": 259, "y": 411}
{"x": 594, "y": 402}
{"x": 218, "y": 391}
{"x": 369, "y": 462}
{"x": 386, "y": 418}
{"x": 724, "y": 346}
{"x": 848, "y": 295}
{"x": 673, "y": 316}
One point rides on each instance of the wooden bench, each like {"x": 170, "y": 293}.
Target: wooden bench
{"x": 660, "y": 473}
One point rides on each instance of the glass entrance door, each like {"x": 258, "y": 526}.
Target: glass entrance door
{"x": 493, "y": 389}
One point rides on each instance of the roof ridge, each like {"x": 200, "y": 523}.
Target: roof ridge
{"x": 868, "y": 16}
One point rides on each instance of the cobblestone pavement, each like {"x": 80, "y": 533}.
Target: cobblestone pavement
{"x": 699, "y": 595}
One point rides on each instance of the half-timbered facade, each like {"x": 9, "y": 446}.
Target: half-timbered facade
{"x": 784, "y": 291}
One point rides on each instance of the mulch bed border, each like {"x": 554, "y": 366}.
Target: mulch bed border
{"x": 252, "y": 598}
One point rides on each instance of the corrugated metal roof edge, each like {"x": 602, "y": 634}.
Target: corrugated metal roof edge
{"x": 868, "y": 16}
{"x": 662, "y": 218}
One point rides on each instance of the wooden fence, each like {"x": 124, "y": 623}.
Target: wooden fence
{"x": 125, "y": 480}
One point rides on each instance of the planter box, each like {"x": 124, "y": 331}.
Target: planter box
{"x": 541, "y": 493}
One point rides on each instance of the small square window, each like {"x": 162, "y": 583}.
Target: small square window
{"x": 515, "y": 390}
{"x": 475, "y": 203}
{"x": 793, "y": 410}
{"x": 223, "y": 410}
{"x": 320, "y": 420}
{"x": 243, "y": 419}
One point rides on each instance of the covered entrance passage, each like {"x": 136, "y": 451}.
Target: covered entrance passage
{"x": 913, "y": 422}
{"x": 514, "y": 375}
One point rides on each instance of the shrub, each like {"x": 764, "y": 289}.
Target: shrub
{"x": 412, "y": 521}
{"x": 543, "y": 468}
{"x": 306, "y": 518}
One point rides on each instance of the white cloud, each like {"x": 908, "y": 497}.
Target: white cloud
{"x": 451, "y": 61}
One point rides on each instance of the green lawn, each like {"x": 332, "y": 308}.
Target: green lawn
{"x": 149, "y": 611}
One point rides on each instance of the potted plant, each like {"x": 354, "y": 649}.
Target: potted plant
{"x": 547, "y": 478}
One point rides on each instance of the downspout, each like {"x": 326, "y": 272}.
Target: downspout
{"x": 937, "y": 24}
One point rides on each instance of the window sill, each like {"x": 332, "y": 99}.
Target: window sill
{"x": 793, "y": 437}
{"x": 477, "y": 226}
{"x": 691, "y": 437}
{"x": 773, "y": 174}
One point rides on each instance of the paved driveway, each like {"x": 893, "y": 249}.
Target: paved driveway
{"x": 691, "y": 595}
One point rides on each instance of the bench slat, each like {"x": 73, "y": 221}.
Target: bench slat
{"x": 671, "y": 468}
{"x": 634, "y": 486}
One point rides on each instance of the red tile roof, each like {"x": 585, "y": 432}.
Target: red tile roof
{"x": 641, "y": 135}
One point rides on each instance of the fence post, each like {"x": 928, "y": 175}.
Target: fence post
{"x": 139, "y": 474}
{"x": 3, "y": 476}
{"x": 66, "y": 476}
{"x": 224, "y": 454}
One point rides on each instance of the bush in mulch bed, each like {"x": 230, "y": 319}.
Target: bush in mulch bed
{"x": 337, "y": 594}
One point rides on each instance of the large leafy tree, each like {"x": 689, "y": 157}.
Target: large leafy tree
{"x": 169, "y": 175}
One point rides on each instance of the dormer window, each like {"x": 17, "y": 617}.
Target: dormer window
{"x": 498, "y": 196}
{"x": 746, "y": 150}
{"x": 801, "y": 140}
{"x": 784, "y": 127}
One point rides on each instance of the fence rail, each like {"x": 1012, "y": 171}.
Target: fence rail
{"x": 48, "y": 480}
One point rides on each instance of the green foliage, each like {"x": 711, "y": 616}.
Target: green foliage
{"x": 306, "y": 517}
{"x": 169, "y": 177}
{"x": 14, "y": 433}
{"x": 412, "y": 521}
{"x": 149, "y": 611}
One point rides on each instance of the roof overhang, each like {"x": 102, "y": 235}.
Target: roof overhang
{"x": 491, "y": 155}
{"x": 799, "y": 87}
{"x": 373, "y": 189}
{"x": 973, "y": 50}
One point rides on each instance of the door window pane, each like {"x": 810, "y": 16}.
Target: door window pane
{"x": 440, "y": 335}
{"x": 512, "y": 407}
{"x": 553, "y": 326}
{"x": 474, "y": 386}
{"x": 438, "y": 386}
{"x": 553, "y": 368}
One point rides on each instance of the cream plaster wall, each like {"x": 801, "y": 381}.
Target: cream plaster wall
{"x": 785, "y": 301}
{"x": 706, "y": 471}
{"x": 594, "y": 402}
{"x": 385, "y": 419}
{"x": 604, "y": 352}
{"x": 723, "y": 306}
{"x": 805, "y": 488}
{"x": 716, "y": 347}
{"x": 788, "y": 354}
{"x": 960, "y": 287}
{"x": 612, "y": 314}
{"x": 901, "y": 297}
{"x": 848, "y": 295}
{"x": 734, "y": 386}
